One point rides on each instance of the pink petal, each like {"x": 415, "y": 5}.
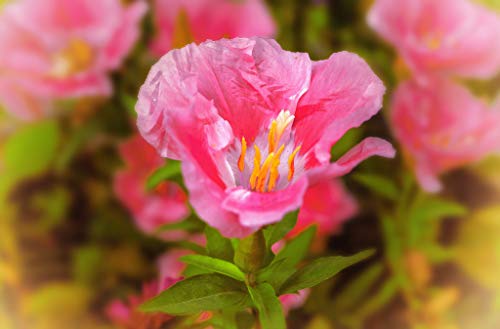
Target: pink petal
{"x": 344, "y": 93}
{"x": 206, "y": 198}
{"x": 257, "y": 209}
{"x": 210, "y": 20}
{"x": 447, "y": 37}
{"x": 125, "y": 36}
{"x": 327, "y": 205}
{"x": 368, "y": 147}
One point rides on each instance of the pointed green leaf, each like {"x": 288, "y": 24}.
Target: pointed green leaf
{"x": 276, "y": 232}
{"x": 215, "y": 265}
{"x": 206, "y": 292}
{"x": 268, "y": 305}
{"x": 380, "y": 185}
{"x": 171, "y": 169}
{"x": 431, "y": 208}
{"x": 320, "y": 270}
{"x": 190, "y": 224}
{"x": 217, "y": 245}
{"x": 296, "y": 249}
{"x": 276, "y": 273}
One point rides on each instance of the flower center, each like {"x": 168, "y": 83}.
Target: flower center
{"x": 267, "y": 164}
{"x": 75, "y": 58}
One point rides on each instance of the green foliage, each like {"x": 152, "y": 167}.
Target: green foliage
{"x": 217, "y": 245}
{"x": 379, "y": 185}
{"x": 31, "y": 150}
{"x": 190, "y": 224}
{"x": 206, "y": 292}
{"x": 320, "y": 270}
{"x": 251, "y": 252}
{"x": 215, "y": 265}
{"x": 268, "y": 305}
{"x": 168, "y": 171}
{"x": 276, "y": 273}
{"x": 276, "y": 232}
{"x": 296, "y": 249}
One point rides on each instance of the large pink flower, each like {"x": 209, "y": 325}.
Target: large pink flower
{"x": 53, "y": 49}
{"x": 253, "y": 125}
{"x": 150, "y": 209}
{"x": 442, "y": 127}
{"x": 326, "y": 205}
{"x": 180, "y": 22}
{"x": 454, "y": 37}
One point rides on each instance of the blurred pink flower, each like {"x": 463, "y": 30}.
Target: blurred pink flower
{"x": 56, "y": 49}
{"x": 293, "y": 301}
{"x": 253, "y": 125}
{"x": 327, "y": 204}
{"x": 150, "y": 209}
{"x": 450, "y": 37}
{"x": 180, "y": 22}
{"x": 441, "y": 127}
{"x": 126, "y": 315}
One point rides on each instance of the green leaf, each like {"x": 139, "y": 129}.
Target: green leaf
{"x": 431, "y": 208}
{"x": 215, "y": 265}
{"x": 296, "y": 249}
{"x": 320, "y": 270}
{"x": 356, "y": 291}
{"x": 276, "y": 232}
{"x": 217, "y": 245}
{"x": 276, "y": 273}
{"x": 170, "y": 170}
{"x": 31, "y": 150}
{"x": 425, "y": 215}
{"x": 206, "y": 292}
{"x": 268, "y": 305}
{"x": 380, "y": 185}
{"x": 190, "y": 224}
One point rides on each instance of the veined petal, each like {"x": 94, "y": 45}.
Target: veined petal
{"x": 257, "y": 209}
{"x": 367, "y": 148}
{"x": 344, "y": 92}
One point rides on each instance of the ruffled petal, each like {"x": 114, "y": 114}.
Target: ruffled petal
{"x": 344, "y": 93}
{"x": 369, "y": 147}
{"x": 257, "y": 209}
{"x": 206, "y": 198}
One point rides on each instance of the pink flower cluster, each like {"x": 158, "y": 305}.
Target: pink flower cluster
{"x": 150, "y": 209}
{"x": 180, "y": 22}
{"x": 253, "y": 125}
{"x": 440, "y": 124}
{"x": 58, "y": 49}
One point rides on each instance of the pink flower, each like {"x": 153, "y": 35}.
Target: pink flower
{"x": 442, "y": 127}
{"x": 126, "y": 315}
{"x": 180, "y": 22}
{"x": 253, "y": 125}
{"x": 326, "y": 205}
{"x": 293, "y": 301}
{"x": 56, "y": 49}
{"x": 454, "y": 37}
{"x": 150, "y": 209}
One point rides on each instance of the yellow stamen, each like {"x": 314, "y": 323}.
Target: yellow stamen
{"x": 274, "y": 172}
{"x": 291, "y": 163}
{"x": 263, "y": 172}
{"x": 272, "y": 136}
{"x": 256, "y": 167}
{"x": 241, "y": 160}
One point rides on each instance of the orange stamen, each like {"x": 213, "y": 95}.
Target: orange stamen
{"x": 241, "y": 160}
{"x": 274, "y": 172}
{"x": 256, "y": 167}
{"x": 264, "y": 171}
{"x": 291, "y": 163}
{"x": 272, "y": 136}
